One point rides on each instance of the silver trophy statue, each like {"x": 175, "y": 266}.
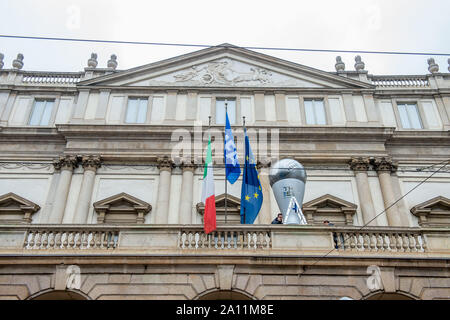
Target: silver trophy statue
{"x": 287, "y": 179}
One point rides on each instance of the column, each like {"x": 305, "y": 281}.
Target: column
{"x": 265, "y": 215}
{"x": 384, "y": 166}
{"x": 186, "y": 196}
{"x": 66, "y": 164}
{"x": 165, "y": 166}
{"x": 90, "y": 165}
{"x": 360, "y": 166}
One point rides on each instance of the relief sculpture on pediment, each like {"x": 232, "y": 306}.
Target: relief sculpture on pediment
{"x": 222, "y": 72}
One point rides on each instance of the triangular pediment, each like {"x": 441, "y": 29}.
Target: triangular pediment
{"x": 225, "y": 66}
{"x": 122, "y": 202}
{"x": 14, "y": 202}
{"x": 329, "y": 202}
{"x": 437, "y": 204}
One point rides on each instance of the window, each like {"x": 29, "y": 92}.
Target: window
{"x": 409, "y": 116}
{"x": 41, "y": 113}
{"x": 220, "y": 110}
{"x": 315, "y": 111}
{"x": 136, "y": 110}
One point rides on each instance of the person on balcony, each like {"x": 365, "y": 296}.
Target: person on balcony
{"x": 278, "y": 219}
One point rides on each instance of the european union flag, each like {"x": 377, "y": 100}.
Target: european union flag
{"x": 251, "y": 192}
{"x": 232, "y": 168}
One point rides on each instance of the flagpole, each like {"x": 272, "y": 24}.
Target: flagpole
{"x": 245, "y": 169}
{"x": 226, "y": 183}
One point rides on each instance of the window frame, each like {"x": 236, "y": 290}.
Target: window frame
{"x": 51, "y": 119}
{"x": 138, "y": 98}
{"x": 419, "y": 113}
{"x": 236, "y": 106}
{"x": 325, "y": 110}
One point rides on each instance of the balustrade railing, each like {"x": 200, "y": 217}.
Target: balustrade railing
{"x": 225, "y": 239}
{"x": 51, "y": 77}
{"x": 378, "y": 241}
{"x": 61, "y": 238}
{"x": 400, "y": 81}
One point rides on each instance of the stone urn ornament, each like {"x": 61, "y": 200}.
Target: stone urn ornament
{"x": 92, "y": 62}
{"x": 18, "y": 62}
{"x": 112, "y": 63}
{"x": 340, "y": 66}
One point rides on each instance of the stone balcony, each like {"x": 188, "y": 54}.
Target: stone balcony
{"x": 254, "y": 240}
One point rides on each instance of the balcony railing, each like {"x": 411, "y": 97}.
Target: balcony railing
{"x": 400, "y": 81}
{"x": 65, "y": 78}
{"x": 245, "y": 239}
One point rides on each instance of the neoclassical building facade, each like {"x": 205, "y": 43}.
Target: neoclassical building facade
{"x": 101, "y": 175}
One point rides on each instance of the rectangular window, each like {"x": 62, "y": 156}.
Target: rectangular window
{"x": 409, "y": 116}
{"x": 220, "y": 110}
{"x": 41, "y": 113}
{"x": 315, "y": 111}
{"x": 136, "y": 110}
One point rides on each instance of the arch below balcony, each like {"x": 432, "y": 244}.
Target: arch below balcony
{"x": 224, "y": 295}
{"x": 51, "y": 294}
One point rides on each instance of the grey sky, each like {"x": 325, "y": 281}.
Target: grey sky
{"x": 398, "y": 25}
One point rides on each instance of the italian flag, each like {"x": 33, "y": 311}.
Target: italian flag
{"x": 208, "y": 197}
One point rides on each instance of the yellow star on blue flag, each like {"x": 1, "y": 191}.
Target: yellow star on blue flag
{"x": 250, "y": 205}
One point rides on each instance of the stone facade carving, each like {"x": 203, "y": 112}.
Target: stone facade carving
{"x": 121, "y": 208}
{"x": 340, "y": 66}
{"x": 67, "y": 162}
{"x": 222, "y": 72}
{"x": 112, "y": 62}
{"x": 384, "y": 164}
{"x": 165, "y": 163}
{"x": 15, "y": 209}
{"x": 330, "y": 208}
{"x": 91, "y": 162}
{"x": 360, "y": 163}
{"x": 359, "y": 64}
{"x": 18, "y": 62}
{"x": 433, "y": 67}
{"x": 92, "y": 62}
{"x": 434, "y": 212}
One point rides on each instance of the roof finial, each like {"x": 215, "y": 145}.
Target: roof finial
{"x": 1, "y": 60}
{"x": 18, "y": 62}
{"x": 112, "y": 63}
{"x": 92, "y": 62}
{"x": 432, "y": 66}
{"x": 359, "y": 65}
{"x": 340, "y": 66}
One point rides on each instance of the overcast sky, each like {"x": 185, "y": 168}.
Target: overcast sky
{"x": 400, "y": 25}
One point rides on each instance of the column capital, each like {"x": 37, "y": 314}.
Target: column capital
{"x": 265, "y": 164}
{"x": 384, "y": 164}
{"x": 165, "y": 164}
{"x": 92, "y": 162}
{"x": 67, "y": 162}
{"x": 188, "y": 166}
{"x": 359, "y": 163}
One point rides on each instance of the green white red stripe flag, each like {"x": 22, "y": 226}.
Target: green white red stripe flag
{"x": 208, "y": 197}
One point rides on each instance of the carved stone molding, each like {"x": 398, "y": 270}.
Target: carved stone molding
{"x": 434, "y": 212}
{"x": 188, "y": 166}
{"x": 265, "y": 164}
{"x": 331, "y": 208}
{"x": 384, "y": 164}
{"x": 66, "y": 163}
{"x": 15, "y": 209}
{"x": 91, "y": 162}
{"x": 165, "y": 164}
{"x": 121, "y": 208}
{"x": 360, "y": 163}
